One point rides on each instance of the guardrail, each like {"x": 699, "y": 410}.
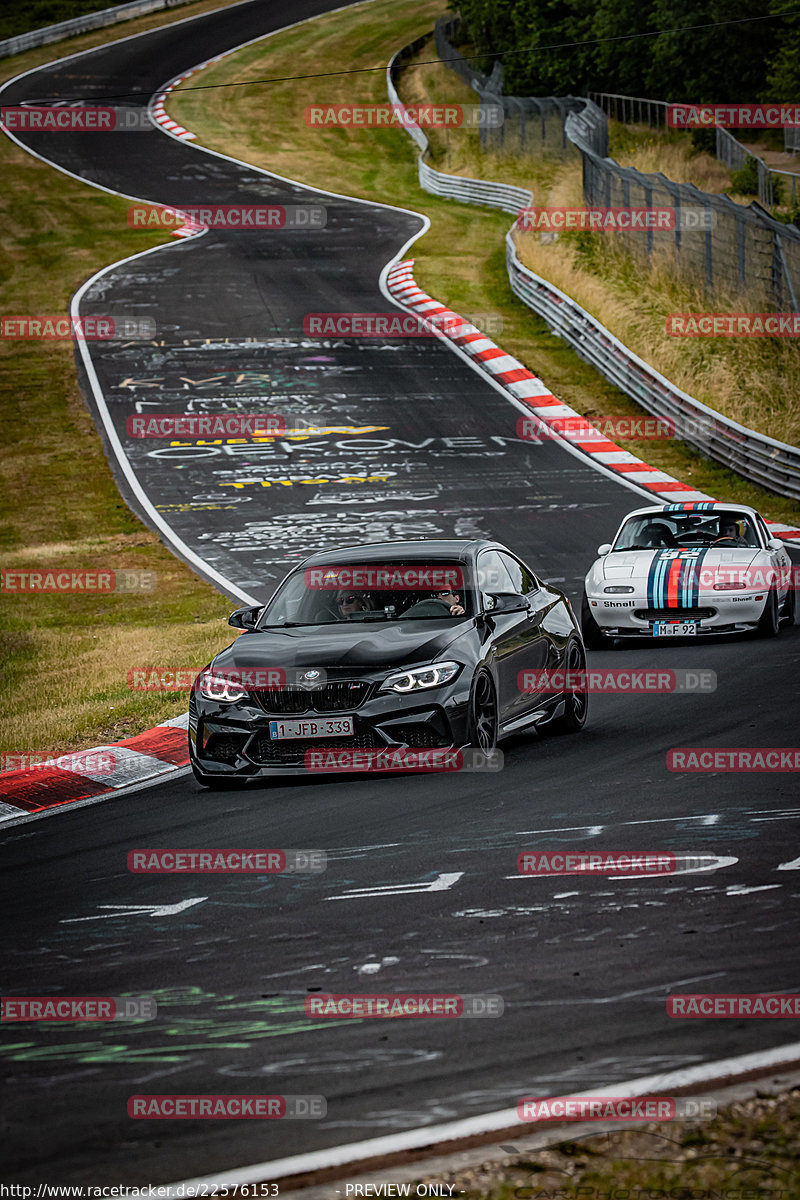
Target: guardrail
{"x": 95, "y": 20}
{"x": 762, "y": 459}
{"x": 453, "y": 187}
{"x": 775, "y": 465}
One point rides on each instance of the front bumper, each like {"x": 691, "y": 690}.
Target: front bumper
{"x": 715, "y": 613}
{"x": 233, "y": 739}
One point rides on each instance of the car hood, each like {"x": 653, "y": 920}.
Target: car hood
{"x": 634, "y": 565}
{"x": 360, "y": 646}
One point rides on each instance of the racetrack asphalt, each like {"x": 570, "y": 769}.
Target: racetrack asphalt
{"x": 584, "y": 964}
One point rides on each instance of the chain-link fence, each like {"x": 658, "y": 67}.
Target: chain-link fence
{"x": 732, "y": 248}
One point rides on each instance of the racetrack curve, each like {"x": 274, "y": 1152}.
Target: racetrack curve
{"x": 583, "y": 965}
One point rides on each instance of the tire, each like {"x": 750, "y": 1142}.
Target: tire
{"x": 576, "y": 704}
{"x": 770, "y": 622}
{"x": 482, "y": 719}
{"x": 219, "y": 783}
{"x": 593, "y": 636}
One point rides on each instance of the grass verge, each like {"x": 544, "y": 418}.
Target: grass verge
{"x": 749, "y": 1151}
{"x": 461, "y": 259}
{"x": 65, "y": 658}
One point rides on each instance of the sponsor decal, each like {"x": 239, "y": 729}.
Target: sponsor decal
{"x": 673, "y": 580}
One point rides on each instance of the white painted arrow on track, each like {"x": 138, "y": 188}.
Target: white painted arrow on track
{"x": 794, "y": 865}
{"x": 440, "y": 884}
{"x": 139, "y": 910}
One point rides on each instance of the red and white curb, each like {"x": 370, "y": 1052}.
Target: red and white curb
{"x": 522, "y": 384}
{"x": 160, "y": 116}
{"x": 157, "y": 751}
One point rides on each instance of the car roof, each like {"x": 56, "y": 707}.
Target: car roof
{"x": 698, "y": 507}
{"x": 419, "y": 550}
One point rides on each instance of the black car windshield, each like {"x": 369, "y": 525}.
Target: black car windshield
{"x": 667, "y": 531}
{"x": 380, "y": 591}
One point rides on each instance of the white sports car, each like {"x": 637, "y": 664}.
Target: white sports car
{"x": 677, "y": 570}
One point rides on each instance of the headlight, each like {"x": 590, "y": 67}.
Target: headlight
{"x": 419, "y": 678}
{"x": 618, "y": 588}
{"x": 218, "y": 687}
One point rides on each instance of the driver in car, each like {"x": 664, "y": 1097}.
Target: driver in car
{"x": 439, "y": 604}
{"x": 729, "y": 531}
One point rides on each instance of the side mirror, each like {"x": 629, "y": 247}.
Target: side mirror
{"x": 775, "y": 544}
{"x": 245, "y": 618}
{"x": 604, "y": 549}
{"x": 505, "y": 602}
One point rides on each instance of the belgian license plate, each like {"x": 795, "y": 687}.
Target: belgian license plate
{"x": 320, "y": 727}
{"x": 674, "y": 628}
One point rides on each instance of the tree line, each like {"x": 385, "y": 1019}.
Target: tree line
{"x": 558, "y": 47}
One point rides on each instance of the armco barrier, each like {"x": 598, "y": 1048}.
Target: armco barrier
{"x": 772, "y": 464}
{"x": 454, "y": 187}
{"x": 95, "y": 20}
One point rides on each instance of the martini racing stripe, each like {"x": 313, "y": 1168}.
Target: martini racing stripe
{"x": 691, "y": 506}
{"x": 674, "y": 578}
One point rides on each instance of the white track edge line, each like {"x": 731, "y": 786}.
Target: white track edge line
{"x": 430, "y": 1136}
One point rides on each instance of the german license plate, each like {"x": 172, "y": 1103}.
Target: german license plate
{"x": 674, "y": 628}
{"x": 319, "y": 727}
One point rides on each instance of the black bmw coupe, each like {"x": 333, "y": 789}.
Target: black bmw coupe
{"x": 392, "y": 646}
